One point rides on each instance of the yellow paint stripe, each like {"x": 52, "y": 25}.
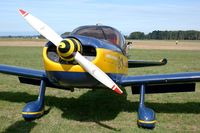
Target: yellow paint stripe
{"x": 147, "y": 122}
{"x": 33, "y": 113}
{"x": 69, "y": 59}
{"x": 78, "y": 44}
{"x": 62, "y": 45}
{"x": 71, "y": 50}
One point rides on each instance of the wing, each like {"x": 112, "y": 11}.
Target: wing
{"x": 177, "y": 82}
{"x": 25, "y": 75}
{"x": 23, "y": 72}
{"x": 142, "y": 63}
{"x": 28, "y": 76}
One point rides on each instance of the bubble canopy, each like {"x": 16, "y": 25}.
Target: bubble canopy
{"x": 104, "y": 33}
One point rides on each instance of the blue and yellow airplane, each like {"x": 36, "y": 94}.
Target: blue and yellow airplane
{"x": 94, "y": 57}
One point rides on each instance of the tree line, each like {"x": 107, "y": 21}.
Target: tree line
{"x": 166, "y": 35}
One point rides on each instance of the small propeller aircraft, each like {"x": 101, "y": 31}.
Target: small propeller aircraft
{"x": 94, "y": 57}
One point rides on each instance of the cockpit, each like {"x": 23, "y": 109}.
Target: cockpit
{"x": 104, "y": 33}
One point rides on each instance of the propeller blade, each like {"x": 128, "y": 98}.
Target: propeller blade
{"x": 51, "y": 35}
{"x": 41, "y": 27}
{"x": 97, "y": 73}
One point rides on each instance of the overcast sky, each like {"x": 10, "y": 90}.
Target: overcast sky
{"x": 125, "y": 15}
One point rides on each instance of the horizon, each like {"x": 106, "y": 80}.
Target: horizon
{"x": 32, "y": 34}
{"x": 126, "y": 16}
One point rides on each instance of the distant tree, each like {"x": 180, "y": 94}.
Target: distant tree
{"x": 137, "y": 35}
{"x": 174, "y": 35}
{"x": 126, "y": 36}
{"x": 41, "y": 37}
{"x": 198, "y": 36}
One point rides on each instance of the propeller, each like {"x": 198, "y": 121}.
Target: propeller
{"x": 52, "y": 36}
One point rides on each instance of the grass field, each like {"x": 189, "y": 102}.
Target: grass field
{"x": 98, "y": 111}
{"x": 22, "y": 42}
{"x": 166, "y": 44}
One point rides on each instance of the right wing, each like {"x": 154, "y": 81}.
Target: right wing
{"x": 28, "y": 76}
{"x": 23, "y": 72}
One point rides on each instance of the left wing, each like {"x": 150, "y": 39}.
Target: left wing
{"x": 160, "y": 83}
{"x": 144, "y": 63}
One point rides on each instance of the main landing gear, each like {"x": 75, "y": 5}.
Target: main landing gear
{"x": 146, "y": 116}
{"x": 35, "y": 109}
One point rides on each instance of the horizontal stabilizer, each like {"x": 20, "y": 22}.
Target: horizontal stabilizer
{"x": 145, "y": 63}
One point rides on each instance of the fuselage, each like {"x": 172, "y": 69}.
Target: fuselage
{"x": 107, "y": 56}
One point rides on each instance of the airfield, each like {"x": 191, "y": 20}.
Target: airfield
{"x": 137, "y": 44}
{"x": 100, "y": 111}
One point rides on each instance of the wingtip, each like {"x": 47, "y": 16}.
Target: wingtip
{"x": 23, "y": 13}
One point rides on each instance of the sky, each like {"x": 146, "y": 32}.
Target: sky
{"x": 125, "y": 15}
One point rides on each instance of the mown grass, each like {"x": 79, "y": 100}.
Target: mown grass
{"x": 98, "y": 111}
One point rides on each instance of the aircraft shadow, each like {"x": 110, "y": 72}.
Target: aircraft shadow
{"x": 91, "y": 106}
{"x": 21, "y": 127}
{"x": 99, "y": 105}
{"x": 96, "y": 106}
